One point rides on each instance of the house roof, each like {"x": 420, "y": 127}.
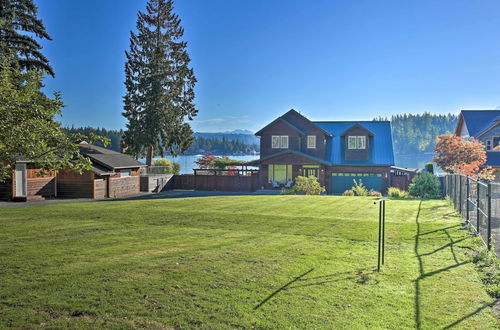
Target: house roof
{"x": 478, "y": 121}
{"x": 381, "y": 149}
{"x": 290, "y": 151}
{"x": 107, "y": 159}
{"x": 282, "y": 120}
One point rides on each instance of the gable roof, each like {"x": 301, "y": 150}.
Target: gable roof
{"x": 280, "y": 119}
{"x": 478, "y": 121}
{"x": 108, "y": 158}
{"x": 291, "y": 151}
{"x": 283, "y": 119}
{"x": 381, "y": 149}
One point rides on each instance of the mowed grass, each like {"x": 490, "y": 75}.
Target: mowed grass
{"x": 240, "y": 261}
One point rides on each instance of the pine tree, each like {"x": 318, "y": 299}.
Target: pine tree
{"x": 18, "y": 18}
{"x": 160, "y": 85}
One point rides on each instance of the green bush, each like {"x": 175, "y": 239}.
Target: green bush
{"x": 168, "y": 166}
{"x": 348, "y": 193}
{"x": 397, "y": 193}
{"x": 425, "y": 185}
{"x": 359, "y": 188}
{"x": 429, "y": 166}
{"x": 307, "y": 185}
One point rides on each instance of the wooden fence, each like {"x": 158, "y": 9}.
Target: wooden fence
{"x": 212, "y": 181}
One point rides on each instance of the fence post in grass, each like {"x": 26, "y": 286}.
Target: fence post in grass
{"x": 460, "y": 194}
{"x": 489, "y": 216}
{"x": 467, "y": 187}
{"x": 381, "y": 231}
{"x": 478, "y": 214}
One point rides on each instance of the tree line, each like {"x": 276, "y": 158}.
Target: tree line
{"x": 417, "y": 134}
{"x": 219, "y": 146}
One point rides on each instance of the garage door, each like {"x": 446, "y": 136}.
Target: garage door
{"x": 344, "y": 181}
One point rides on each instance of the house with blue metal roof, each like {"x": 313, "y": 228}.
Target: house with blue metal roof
{"x": 483, "y": 125}
{"x": 335, "y": 152}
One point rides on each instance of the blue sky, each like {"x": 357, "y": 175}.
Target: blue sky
{"x": 254, "y": 60}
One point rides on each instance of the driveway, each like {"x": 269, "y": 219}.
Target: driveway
{"x": 142, "y": 196}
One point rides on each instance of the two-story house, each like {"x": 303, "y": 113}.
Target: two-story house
{"x": 336, "y": 152}
{"x": 484, "y": 126}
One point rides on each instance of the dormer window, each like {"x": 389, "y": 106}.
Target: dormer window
{"x": 279, "y": 141}
{"x": 356, "y": 142}
{"x": 311, "y": 141}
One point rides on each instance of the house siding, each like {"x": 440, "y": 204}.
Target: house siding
{"x": 356, "y": 154}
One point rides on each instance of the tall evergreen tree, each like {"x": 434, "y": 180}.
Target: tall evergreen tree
{"x": 160, "y": 85}
{"x": 18, "y": 20}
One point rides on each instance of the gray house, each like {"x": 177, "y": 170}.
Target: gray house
{"x": 483, "y": 125}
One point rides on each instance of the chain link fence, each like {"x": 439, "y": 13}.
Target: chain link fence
{"x": 479, "y": 204}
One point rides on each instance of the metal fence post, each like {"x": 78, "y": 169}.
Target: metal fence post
{"x": 383, "y": 230}
{"x": 489, "y": 216}
{"x": 467, "y": 201}
{"x": 477, "y": 206}
{"x": 460, "y": 194}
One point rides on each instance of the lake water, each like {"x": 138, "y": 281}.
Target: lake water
{"x": 188, "y": 162}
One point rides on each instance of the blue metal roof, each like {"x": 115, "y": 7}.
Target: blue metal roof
{"x": 492, "y": 158}
{"x": 381, "y": 143}
{"x": 478, "y": 121}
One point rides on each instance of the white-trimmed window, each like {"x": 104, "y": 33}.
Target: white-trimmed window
{"x": 356, "y": 142}
{"x": 275, "y": 141}
{"x": 279, "y": 141}
{"x": 311, "y": 141}
{"x": 125, "y": 173}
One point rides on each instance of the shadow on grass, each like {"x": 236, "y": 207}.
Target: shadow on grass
{"x": 423, "y": 274}
{"x": 310, "y": 281}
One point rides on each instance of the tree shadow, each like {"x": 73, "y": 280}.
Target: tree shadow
{"x": 310, "y": 281}
{"x": 423, "y": 274}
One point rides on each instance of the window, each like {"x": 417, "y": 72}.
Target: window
{"x": 284, "y": 141}
{"x": 311, "y": 141}
{"x": 496, "y": 142}
{"x": 356, "y": 142}
{"x": 278, "y": 141}
{"x": 275, "y": 141}
{"x": 280, "y": 173}
{"x": 361, "y": 142}
{"x": 488, "y": 144}
{"x": 124, "y": 173}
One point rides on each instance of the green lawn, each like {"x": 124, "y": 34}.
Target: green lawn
{"x": 245, "y": 261}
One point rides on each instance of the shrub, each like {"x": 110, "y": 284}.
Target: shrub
{"x": 397, "y": 193}
{"x": 348, "y": 193}
{"x": 375, "y": 193}
{"x": 176, "y": 168}
{"x": 168, "y": 166}
{"x": 307, "y": 185}
{"x": 425, "y": 185}
{"x": 359, "y": 188}
{"x": 429, "y": 166}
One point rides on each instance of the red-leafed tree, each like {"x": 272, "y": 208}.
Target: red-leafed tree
{"x": 206, "y": 160}
{"x": 458, "y": 155}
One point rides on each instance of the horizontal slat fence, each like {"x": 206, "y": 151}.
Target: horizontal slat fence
{"x": 216, "y": 182}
